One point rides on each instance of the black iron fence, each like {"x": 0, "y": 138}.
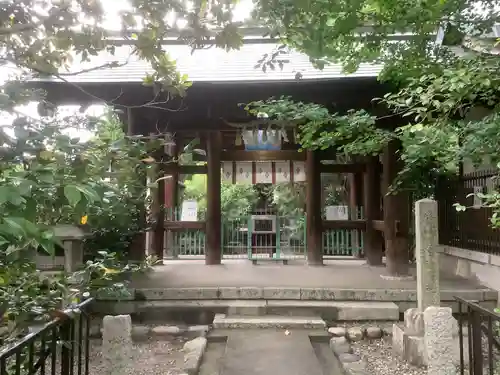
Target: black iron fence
{"x": 479, "y": 342}
{"x": 60, "y": 346}
{"x": 470, "y": 229}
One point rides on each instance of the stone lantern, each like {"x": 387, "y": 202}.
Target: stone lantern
{"x": 72, "y": 238}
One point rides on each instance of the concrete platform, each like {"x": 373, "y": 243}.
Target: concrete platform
{"x": 341, "y": 280}
{"x": 221, "y": 321}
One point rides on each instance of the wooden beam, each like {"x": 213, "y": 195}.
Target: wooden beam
{"x": 378, "y": 225}
{"x": 343, "y": 168}
{"x": 314, "y": 220}
{"x": 242, "y": 155}
{"x": 344, "y": 224}
{"x": 178, "y": 226}
{"x": 213, "y": 253}
{"x": 137, "y": 251}
{"x": 185, "y": 169}
{"x": 396, "y": 215}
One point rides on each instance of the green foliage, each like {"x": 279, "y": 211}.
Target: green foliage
{"x": 237, "y": 200}
{"x": 352, "y": 32}
{"x": 354, "y": 133}
{"x": 117, "y": 160}
{"x": 47, "y": 37}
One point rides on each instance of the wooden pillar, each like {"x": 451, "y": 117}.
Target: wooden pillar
{"x": 373, "y": 241}
{"x": 314, "y": 220}
{"x": 213, "y": 249}
{"x": 396, "y": 215}
{"x": 355, "y": 192}
{"x": 355, "y": 204}
{"x": 137, "y": 251}
{"x": 171, "y": 195}
{"x": 164, "y": 155}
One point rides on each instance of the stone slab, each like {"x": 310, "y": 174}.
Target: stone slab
{"x": 269, "y": 352}
{"x": 221, "y": 321}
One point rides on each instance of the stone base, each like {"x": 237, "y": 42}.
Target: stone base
{"x": 409, "y": 346}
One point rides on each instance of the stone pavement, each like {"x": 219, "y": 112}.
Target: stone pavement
{"x": 270, "y": 352}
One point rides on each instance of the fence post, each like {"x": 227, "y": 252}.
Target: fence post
{"x": 477, "y": 347}
{"x": 278, "y": 237}
{"x": 249, "y": 238}
{"x": 65, "y": 333}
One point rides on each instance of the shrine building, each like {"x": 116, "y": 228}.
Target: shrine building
{"x": 244, "y": 149}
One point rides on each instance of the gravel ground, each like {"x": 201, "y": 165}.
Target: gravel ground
{"x": 381, "y": 360}
{"x": 151, "y": 357}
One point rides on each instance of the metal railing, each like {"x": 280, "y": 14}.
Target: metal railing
{"x": 60, "y": 346}
{"x": 483, "y": 339}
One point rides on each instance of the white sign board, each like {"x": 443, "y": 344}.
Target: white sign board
{"x": 189, "y": 211}
{"x": 337, "y": 212}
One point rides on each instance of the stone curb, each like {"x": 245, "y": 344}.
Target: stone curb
{"x": 289, "y": 293}
{"x": 352, "y": 364}
{"x": 143, "y": 332}
{"x": 193, "y": 355}
{"x": 355, "y": 334}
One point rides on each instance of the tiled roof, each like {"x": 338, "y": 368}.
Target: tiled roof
{"x": 215, "y": 65}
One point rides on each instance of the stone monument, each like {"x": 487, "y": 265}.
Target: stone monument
{"x": 413, "y": 341}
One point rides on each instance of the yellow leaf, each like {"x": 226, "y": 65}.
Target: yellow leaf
{"x": 46, "y": 155}
{"x": 110, "y": 271}
{"x": 149, "y": 160}
{"x": 84, "y": 219}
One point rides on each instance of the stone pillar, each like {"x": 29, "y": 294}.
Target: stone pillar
{"x": 117, "y": 344}
{"x": 439, "y": 341}
{"x": 73, "y": 255}
{"x": 72, "y": 238}
{"x": 373, "y": 241}
{"x": 313, "y": 210}
{"x": 426, "y": 252}
{"x": 213, "y": 251}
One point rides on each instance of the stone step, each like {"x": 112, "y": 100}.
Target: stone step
{"x": 330, "y": 310}
{"x": 336, "y": 310}
{"x": 221, "y": 321}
